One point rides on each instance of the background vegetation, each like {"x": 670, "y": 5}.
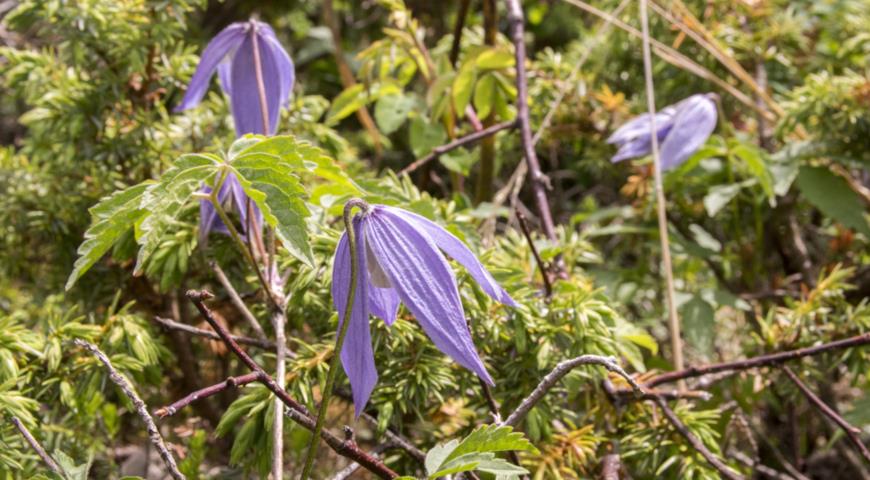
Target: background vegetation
{"x": 768, "y": 225}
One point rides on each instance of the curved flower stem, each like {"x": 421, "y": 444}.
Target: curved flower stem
{"x": 342, "y": 332}
{"x": 673, "y": 319}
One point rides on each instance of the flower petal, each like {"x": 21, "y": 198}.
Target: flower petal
{"x": 357, "y": 356}
{"x": 217, "y": 49}
{"x": 694, "y": 122}
{"x": 224, "y": 71}
{"x": 425, "y": 283}
{"x": 457, "y": 250}
{"x": 286, "y": 69}
{"x": 638, "y": 127}
{"x": 245, "y": 98}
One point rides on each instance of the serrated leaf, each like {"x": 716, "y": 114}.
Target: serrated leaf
{"x": 112, "y": 217}
{"x": 391, "y": 111}
{"x": 833, "y": 196}
{"x": 492, "y": 438}
{"x": 166, "y": 199}
{"x": 438, "y": 454}
{"x": 274, "y": 187}
{"x": 350, "y": 100}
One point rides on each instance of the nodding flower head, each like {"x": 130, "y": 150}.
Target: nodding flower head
{"x": 231, "y": 53}
{"x": 400, "y": 261}
{"x": 680, "y": 128}
{"x": 232, "y": 195}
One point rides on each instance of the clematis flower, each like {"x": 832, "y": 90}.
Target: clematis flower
{"x": 680, "y": 128}
{"x": 231, "y": 194}
{"x": 400, "y": 261}
{"x": 231, "y": 54}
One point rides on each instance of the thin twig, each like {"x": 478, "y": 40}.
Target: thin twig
{"x": 397, "y": 439}
{"x": 673, "y": 319}
{"x": 34, "y": 444}
{"x": 548, "y": 286}
{"x": 562, "y": 369}
{"x": 349, "y": 470}
{"x": 758, "y": 466}
{"x": 296, "y": 411}
{"x": 237, "y": 301}
{"x": 251, "y": 342}
{"x": 459, "y": 142}
{"x": 696, "y": 443}
{"x": 759, "y": 361}
{"x": 853, "y": 433}
{"x": 231, "y": 382}
{"x": 458, "y": 28}
{"x": 540, "y": 182}
{"x": 139, "y": 405}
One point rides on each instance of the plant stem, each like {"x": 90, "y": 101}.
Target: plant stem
{"x": 673, "y": 319}
{"x": 342, "y": 333}
{"x": 483, "y": 190}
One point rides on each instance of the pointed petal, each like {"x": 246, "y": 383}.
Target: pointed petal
{"x": 694, "y": 122}
{"x": 638, "y": 127}
{"x": 286, "y": 69}
{"x": 224, "y": 71}
{"x": 245, "y": 98}
{"x": 384, "y": 303}
{"x": 217, "y": 49}
{"x": 426, "y": 285}
{"x": 457, "y": 250}
{"x": 357, "y": 356}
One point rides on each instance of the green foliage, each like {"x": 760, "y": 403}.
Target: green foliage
{"x": 476, "y": 453}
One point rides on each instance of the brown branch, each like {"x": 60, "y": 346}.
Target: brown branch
{"x": 458, "y": 27}
{"x": 182, "y": 327}
{"x": 139, "y": 405}
{"x": 758, "y": 466}
{"x": 610, "y": 466}
{"x": 296, "y": 411}
{"x": 562, "y": 369}
{"x": 540, "y": 183}
{"x": 459, "y": 142}
{"x": 548, "y": 286}
{"x": 759, "y": 361}
{"x": 231, "y": 382}
{"x": 34, "y": 444}
{"x": 396, "y": 439}
{"x": 852, "y": 432}
{"x": 695, "y": 442}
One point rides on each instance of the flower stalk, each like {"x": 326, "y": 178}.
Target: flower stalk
{"x": 342, "y": 333}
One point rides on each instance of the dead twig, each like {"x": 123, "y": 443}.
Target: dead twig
{"x": 35, "y": 445}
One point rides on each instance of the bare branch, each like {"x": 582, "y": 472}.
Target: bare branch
{"x": 562, "y": 369}
{"x": 183, "y": 327}
{"x": 696, "y": 443}
{"x": 548, "y": 286}
{"x": 459, "y": 142}
{"x": 237, "y": 301}
{"x": 610, "y": 466}
{"x": 540, "y": 183}
{"x": 759, "y": 361}
{"x": 853, "y": 433}
{"x": 296, "y": 411}
{"x": 34, "y": 444}
{"x": 231, "y": 382}
{"x": 141, "y": 408}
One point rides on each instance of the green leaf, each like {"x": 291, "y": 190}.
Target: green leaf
{"x": 425, "y": 136}
{"x": 350, "y": 100}
{"x": 463, "y": 87}
{"x": 438, "y": 454}
{"x": 274, "y": 187}
{"x": 459, "y": 161}
{"x": 699, "y": 320}
{"x": 832, "y": 195}
{"x": 484, "y": 95}
{"x": 492, "y": 438}
{"x": 112, "y": 217}
{"x": 721, "y": 195}
{"x": 391, "y": 111}
{"x": 166, "y": 199}
{"x": 495, "y": 59}
{"x": 755, "y": 163}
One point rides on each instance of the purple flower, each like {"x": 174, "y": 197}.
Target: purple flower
{"x": 231, "y": 194}
{"x": 681, "y": 129}
{"x": 400, "y": 261}
{"x": 231, "y": 54}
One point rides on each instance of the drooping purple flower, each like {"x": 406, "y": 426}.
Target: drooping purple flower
{"x": 231, "y": 194}
{"x": 400, "y": 261}
{"x": 231, "y": 54}
{"x": 680, "y": 128}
